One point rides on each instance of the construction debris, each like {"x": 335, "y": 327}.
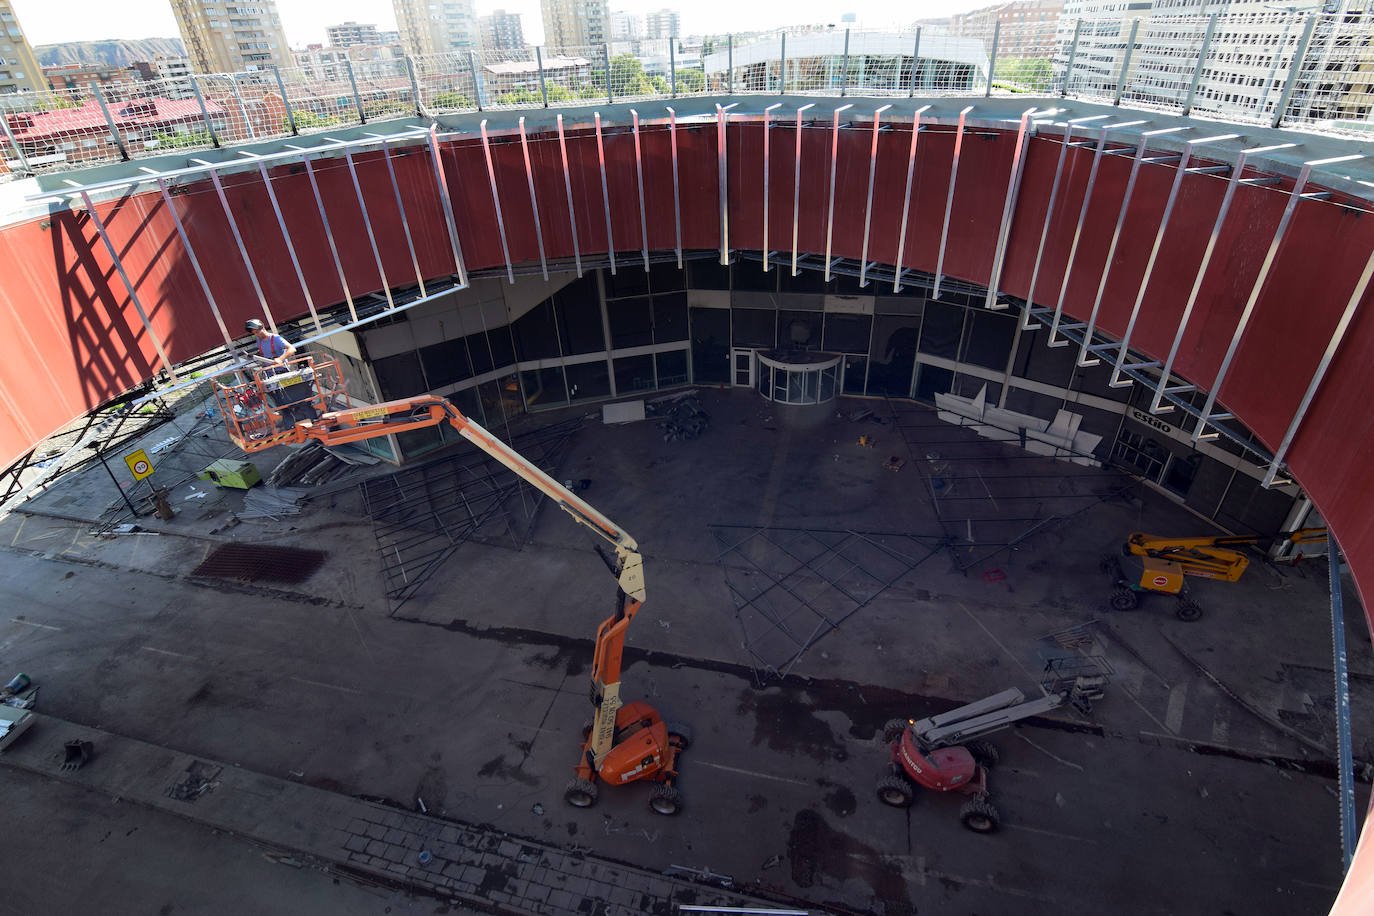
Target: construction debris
{"x": 682, "y": 418}
{"x": 271, "y": 502}
{"x": 311, "y": 464}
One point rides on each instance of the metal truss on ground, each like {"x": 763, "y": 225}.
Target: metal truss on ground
{"x": 423, "y": 513}
{"x": 792, "y": 586}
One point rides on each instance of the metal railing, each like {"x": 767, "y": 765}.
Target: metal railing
{"x": 1274, "y": 66}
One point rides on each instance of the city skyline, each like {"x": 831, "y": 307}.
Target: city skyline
{"x": 305, "y": 21}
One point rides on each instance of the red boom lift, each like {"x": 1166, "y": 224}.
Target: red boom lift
{"x": 306, "y": 398}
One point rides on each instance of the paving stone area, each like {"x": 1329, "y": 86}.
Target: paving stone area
{"x": 475, "y": 866}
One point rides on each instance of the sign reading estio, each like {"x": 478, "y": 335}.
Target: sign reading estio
{"x": 139, "y": 464}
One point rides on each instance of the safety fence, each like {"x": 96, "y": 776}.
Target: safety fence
{"x": 1259, "y": 65}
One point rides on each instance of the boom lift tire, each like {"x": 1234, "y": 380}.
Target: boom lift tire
{"x": 1188, "y": 610}
{"x": 580, "y": 793}
{"x": 665, "y": 800}
{"x": 984, "y": 752}
{"x": 895, "y": 791}
{"x": 1123, "y": 599}
{"x": 682, "y": 732}
{"x": 979, "y": 815}
{"x": 892, "y": 730}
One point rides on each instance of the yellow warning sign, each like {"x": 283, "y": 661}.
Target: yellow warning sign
{"x": 138, "y": 463}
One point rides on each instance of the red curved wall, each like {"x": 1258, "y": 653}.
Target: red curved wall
{"x": 73, "y": 339}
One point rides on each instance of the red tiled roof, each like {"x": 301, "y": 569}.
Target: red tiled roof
{"x": 35, "y": 125}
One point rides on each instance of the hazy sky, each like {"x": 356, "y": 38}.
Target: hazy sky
{"x": 50, "y": 21}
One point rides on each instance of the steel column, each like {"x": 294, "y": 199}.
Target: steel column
{"x": 290, "y": 247}
{"x": 128, "y": 284}
{"x": 1008, "y": 208}
{"x": 677, "y": 201}
{"x": 1126, "y": 62}
{"x": 610, "y": 93}
{"x": 543, "y": 85}
{"x": 1294, "y": 196}
{"x": 286, "y": 102}
{"x": 357, "y": 99}
{"x": 639, "y": 184}
{"x": 1078, "y": 231}
{"x": 672, "y": 69}
{"x": 949, "y": 200}
{"x": 1345, "y": 764}
{"x": 766, "y": 186}
{"x": 1201, "y": 62}
{"x": 405, "y": 221}
{"x": 243, "y": 249}
{"x": 110, "y": 122}
{"x": 1180, "y": 170}
{"x": 205, "y": 112}
{"x": 195, "y": 263}
{"x": 605, "y": 192}
{"x": 441, "y": 180}
{"x": 868, "y": 207}
{"x": 1156, "y": 405}
{"x": 796, "y": 186}
{"x": 1049, "y": 217}
{"x": 723, "y": 176}
{"x": 1332, "y": 346}
{"x": 476, "y": 80}
{"x": 567, "y": 187}
{"x": 414, "y": 86}
{"x": 1294, "y": 68}
{"x": 782, "y": 66}
{"x": 1073, "y": 53}
{"x": 729, "y": 64}
{"x": 844, "y": 66}
{"x": 367, "y": 225}
{"x": 915, "y": 59}
{"x": 992, "y": 59}
{"x": 834, "y": 162}
{"x": 496, "y": 201}
{"x": 243, "y": 108}
{"x": 906, "y": 198}
{"x": 1086, "y": 345}
{"x": 534, "y": 202}
{"x": 328, "y": 232}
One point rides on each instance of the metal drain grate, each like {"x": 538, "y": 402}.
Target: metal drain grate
{"x": 253, "y": 563}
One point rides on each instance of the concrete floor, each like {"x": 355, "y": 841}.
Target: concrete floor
{"x": 1208, "y": 765}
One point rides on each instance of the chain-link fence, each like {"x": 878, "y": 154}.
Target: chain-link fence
{"x": 1262, "y": 64}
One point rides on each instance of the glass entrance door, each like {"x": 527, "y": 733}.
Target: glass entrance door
{"x": 742, "y": 363}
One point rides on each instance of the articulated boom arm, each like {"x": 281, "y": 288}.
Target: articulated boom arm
{"x": 266, "y": 411}
{"x": 353, "y": 425}
{"x": 1211, "y": 557}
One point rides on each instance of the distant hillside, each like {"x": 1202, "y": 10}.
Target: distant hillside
{"x": 118, "y": 53}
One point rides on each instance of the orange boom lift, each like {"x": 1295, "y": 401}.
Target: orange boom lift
{"x": 307, "y": 399}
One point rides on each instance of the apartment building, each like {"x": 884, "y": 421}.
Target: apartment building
{"x": 575, "y": 23}
{"x": 348, "y": 34}
{"x": 238, "y": 35}
{"x": 501, "y": 31}
{"x": 436, "y": 28}
{"x": 19, "y": 70}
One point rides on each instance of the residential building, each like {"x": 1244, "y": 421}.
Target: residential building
{"x": 1027, "y": 26}
{"x": 501, "y": 31}
{"x": 19, "y": 70}
{"x": 318, "y": 62}
{"x": 436, "y": 28}
{"x": 226, "y": 37}
{"x": 172, "y": 72}
{"x": 348, "y": 34}
{"x": 626, "y": 26}
{"x": 662, "y": 24}
{"x": 575, "y": 23}
{"x": 83, "y": 76}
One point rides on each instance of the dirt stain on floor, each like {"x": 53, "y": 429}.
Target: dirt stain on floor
{"x": 498, "y": 768}
{"x": 783, "y": 718}
{"x": 818, "y": 851}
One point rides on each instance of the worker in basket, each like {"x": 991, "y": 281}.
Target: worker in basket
{"x": 293, "y": 395}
